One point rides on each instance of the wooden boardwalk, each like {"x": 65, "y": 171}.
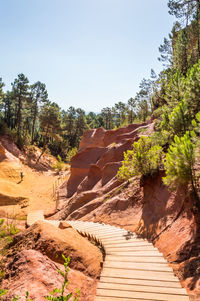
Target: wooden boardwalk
{"x": 133, "y": 269}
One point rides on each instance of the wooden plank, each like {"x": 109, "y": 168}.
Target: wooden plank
{"x": 134, "y": 253}
{"x": 110, "y": 233}
{"x": 144, "y": 282}
{"x": 137, "y": 274}
{"x": 132, "y": 258}
{"x": 143, "y": 288}
{"x": 133, "y": 269}
{"x": 55, "y": 223}
{"x": 142, "y": 295}
{"x": 100, "y": 298}
{"x": 130, "y": 248}
{"x": 122, "y": 235}
{"x": 137, "y": 266}
{"x": 105, "y": 231}
{"x": 97, "y": 227}
{"x": 122, "y": 242}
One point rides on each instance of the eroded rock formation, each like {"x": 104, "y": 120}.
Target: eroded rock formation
{"x": 36, "y": 254}
{"x": 94, "y": 169}
{"x": 149, "y": 208}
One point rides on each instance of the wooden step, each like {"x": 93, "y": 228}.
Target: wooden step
{"x": 140, "y": 295}
{"x": 134, "y": 253}
{"x": 131, "y": 248}
{"x": 143, "y": 288}
{"x": 132, "y": 258}
{"x": 137, "y": 266}
{"x": 137, "y": 274}
{"x": 144, "y": 282}
{"x": 133, "y": 270}
{"x": 122, "y": 242}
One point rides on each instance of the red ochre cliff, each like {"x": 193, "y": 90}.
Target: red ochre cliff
{"x": 94, "y": 193}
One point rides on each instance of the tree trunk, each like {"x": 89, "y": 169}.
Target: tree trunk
{"x": 19, "y": 117}
{"x": 44, "y": 145}
{"x": 33, "y": 125}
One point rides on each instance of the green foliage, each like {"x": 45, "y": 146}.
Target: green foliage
{"x": 179, "y": 120}
{"x": 71, "y": 153}
{"x": 58, "y": 294}
{"x": 143, "y": 159}
{"x": 174, "y": 89}
{"x": 161, "y": 138}
{"x": 7, "y": 231}
{"x": 3, "y": 292}
{"x": 192, "y": 90}
{"x": 180, "y": 57}
{"x": 179, "y": 162}
{"x": 59, "y": 164}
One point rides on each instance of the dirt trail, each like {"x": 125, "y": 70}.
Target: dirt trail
{"x": 34, "y": 192}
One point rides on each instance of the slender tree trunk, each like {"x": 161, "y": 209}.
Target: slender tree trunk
{"x": 19, "y": 116}
{"x": 44, "y": 145}
{"x": 34, "y": 121}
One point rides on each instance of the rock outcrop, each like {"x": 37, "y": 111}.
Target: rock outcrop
{"x": 94, "y": 168}
{"x": 53, "y": 242}
{"x": 36, "y": 254}
{"x": 148, "y": 207}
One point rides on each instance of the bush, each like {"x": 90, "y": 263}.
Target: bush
{"x": 179, "y": 163}
{"x": 71, "y": 153}
{"x": 144, "y": 159}
{"x": 59, "y": 164}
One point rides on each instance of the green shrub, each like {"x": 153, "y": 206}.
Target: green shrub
{"x": 71, "y": 153}
{"x": 179, "y": 162}
{"x": 59, "y": 164}
{"x": 143, "y": 159}
{"x": 2, "y": 292}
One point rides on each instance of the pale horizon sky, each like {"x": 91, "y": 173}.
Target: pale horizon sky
{"x": 89, "y": 53}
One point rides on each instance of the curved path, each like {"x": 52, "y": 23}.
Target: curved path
{"x": 133, "y": 269}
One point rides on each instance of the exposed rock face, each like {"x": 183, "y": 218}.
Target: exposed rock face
{"x": 166, "y": 218}
{"x": 94, "y": 167}
{"x": 2, "y": 152}
{"x": 53, "y": 242}
{"x": 36, "y": 254}
{"x": 32, "y": 271}
{"x": 29, "y": 156}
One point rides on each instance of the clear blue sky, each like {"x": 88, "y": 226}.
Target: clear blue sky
{"x": 89, "y": 53}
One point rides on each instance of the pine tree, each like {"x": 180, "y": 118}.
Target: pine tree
{"x": 80, "y": 126}
{"x": 120, "y": 110}
{"x": 50, "y": 124}
{"x": 131, "y": 109}
{"x": 180, "y": 57}
{"x": 179, "y": 119}
{"x": 186, "y": 11}
{"x": 8, "y": 106}
{"x": 38, "y": 96}
{"x": 20, "y": 92}
{"x": 174, "y": 89}
{"x": 108, "y": 115}
{"x": 180, "y": 163}
{"x": 192, "y": 90}
{"x": 165, "y": 50}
